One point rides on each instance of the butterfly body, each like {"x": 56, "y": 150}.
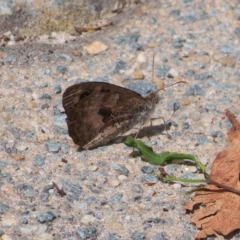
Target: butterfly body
{"x": 97, "y": 112}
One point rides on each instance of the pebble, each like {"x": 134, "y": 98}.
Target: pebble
{"x": 138, "y": 235}
{"x": 61, "y": 69}
{"x": 116, "y": 198}
{"x": 138, "y": 76}
{"x": 122, "y": 178}
{"x": 148, "y": 179}
{"x": 147, "y": 169}
{"x": 113, "y": 182}
{"x": 87, "y": 233}
{"x": 93, "y": 168}
{"x": 95, "y": 48}
{"x": 53, "y": 147}
{"x": 46, "y": 217}
{"x": 39, "y": 160}
{"x": 88, "y": 220}
{"x": 3, "y": 208}
{"x": 173, "y": 73}
{"x": 64, "y": 57}
{"x": 119, "y": 168}
{"x": 195, "y": 90}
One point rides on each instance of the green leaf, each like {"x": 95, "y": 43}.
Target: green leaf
{"x": 148, "y": 155}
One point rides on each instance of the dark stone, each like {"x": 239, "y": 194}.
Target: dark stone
{"x": 148, "y": 179}
{"x": 53, "y": 147}
{"x": 57, "y": 89}
{"x": 147, "y": 169}
{"x": 46, "y": 217}
{"x": 185, "y": 125}
{"x": 62, "y": 69}
{"x": 3, "y": 208}
{"x": 87, "y": 233}
{"x": 154, "y": 220}
{"x": 39, "y": 160}
{"x": 46, "y": 96}
{"x": 195, "y": 90}
{"x": 190, "y": 72}
{"x": 138, "y": 236}
{"x": 73, "y": 188}
{"x": 60, "y": 130}
{"x": 137, "y": 188}
{"x": 119, "y": 168}
{"x": 15, "y": 133}
{"x": 116, "y": 198}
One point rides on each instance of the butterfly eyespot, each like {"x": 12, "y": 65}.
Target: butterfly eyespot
{"x": 84, "y": 94}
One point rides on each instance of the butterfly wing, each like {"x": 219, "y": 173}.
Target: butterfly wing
{"x": 97, "y": 112}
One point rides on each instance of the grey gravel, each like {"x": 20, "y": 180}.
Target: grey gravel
{"x": 3, "y": 207}
{"x": 46, "y": 217}
{"x": 39, "y": 160}
{"x": 87, "y": 233}
{"x": 53, "y": 147}
{"x": 147, "y": 169}
{"x": 119, "y": 168}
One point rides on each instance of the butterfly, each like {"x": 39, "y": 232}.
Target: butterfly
{"x": 97, "y": 112}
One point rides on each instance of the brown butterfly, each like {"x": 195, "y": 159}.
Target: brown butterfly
{"x": 97, "y": 112}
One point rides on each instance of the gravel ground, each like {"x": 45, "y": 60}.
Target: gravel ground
{"x": 107, "y": 191}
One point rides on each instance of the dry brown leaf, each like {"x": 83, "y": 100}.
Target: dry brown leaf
{"x": 219, "y": 210}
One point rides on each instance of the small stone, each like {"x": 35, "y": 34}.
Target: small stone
{"x": 116, "y": 198}
{"x": 3, "y": 208}
{"x": 15, "y": 133}
{"x": 121, "y": 169}
{"x": 64, "y": 57}
{"x": 93, "y": 168}
{"x": 191, "y": 169}
{"x": 237, "y": 31}
{"x": 39, "y": 160}
{"x": 138, "y": 236}
{"x": 148, "y": 178}
{"x": 62, "y": 69}
{"x": 46, "y": 217}
{"x": 74, "y": 188}
{"x": 113, "y": 182}
{"x": 138, "y": 75}
{"x": 88, "y": 219}
{"x": 87, "y": 233}
{"x": 190, "y": 72}
{"x": 195, "y": 90}
{"x": 53, "y": 147}
{"x": 46, "y": 96}
{"x": 141, "y": 57}
{"x": 57, "y": 89}
{"x": 158, "y": 82}
{"x": 196, "y": 116}
{"x": 173, "y": 73}
{"x": 122, "y": 178}
{"x": 185, "y": 102}
{"x": 147, "y": 169}
{"x": 21, "y": 147}
{"x": 95, "y": 48}
{"x": 185, "y": 125}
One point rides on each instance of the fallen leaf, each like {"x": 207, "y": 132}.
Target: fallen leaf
{"x": 217, "y": 211}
